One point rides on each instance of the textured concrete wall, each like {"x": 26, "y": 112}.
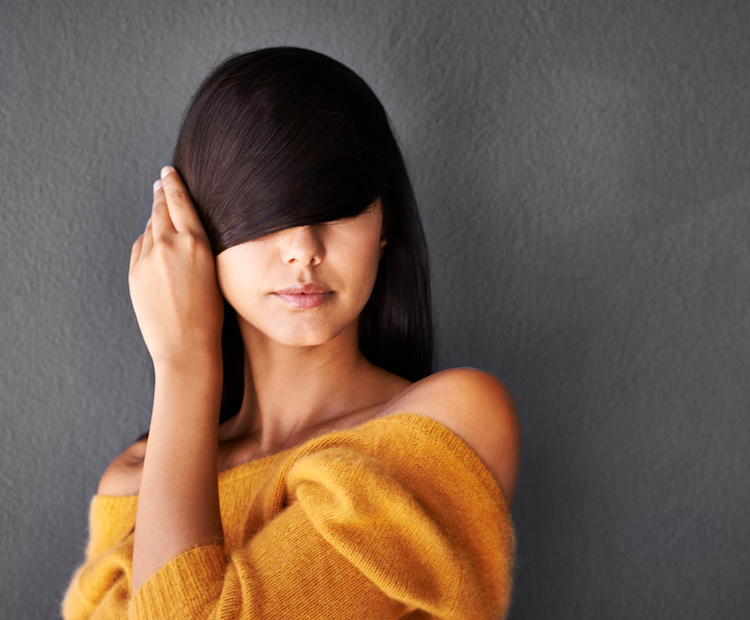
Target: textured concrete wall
{"x": 582, "y": 169}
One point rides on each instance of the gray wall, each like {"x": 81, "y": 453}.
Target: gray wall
{"x": 582, "y": 170}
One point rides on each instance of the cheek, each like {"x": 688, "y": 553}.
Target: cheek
{"x": 236, "y": 270}
{"x": 359, "y": 258}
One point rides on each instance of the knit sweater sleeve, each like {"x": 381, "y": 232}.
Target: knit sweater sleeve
{"x": 100, "y": 587}
{"x": 355, "y": 542}
{"x": 359, "y": 537}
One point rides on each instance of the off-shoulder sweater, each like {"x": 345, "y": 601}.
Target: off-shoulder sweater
{"x": 397, "y": 517}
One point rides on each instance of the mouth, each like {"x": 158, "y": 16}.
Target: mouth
{"x": 304, "y": 289}
{"x": 305, "y": 295}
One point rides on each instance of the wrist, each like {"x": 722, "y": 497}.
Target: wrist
{"x": 207, "y": 363}
{"x": 187, "y": 392}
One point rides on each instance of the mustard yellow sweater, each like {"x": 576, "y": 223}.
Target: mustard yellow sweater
{"x": 395, "y": 518}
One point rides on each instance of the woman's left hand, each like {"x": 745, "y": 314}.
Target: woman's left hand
{"x": 172, "y": 279}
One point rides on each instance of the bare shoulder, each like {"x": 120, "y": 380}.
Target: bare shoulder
{"x": 477, "y": 407}
{"x": 123, "y": 474}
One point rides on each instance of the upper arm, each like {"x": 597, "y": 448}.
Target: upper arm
{"x": 123, "y": 475}
{"x": 478, "y": 408}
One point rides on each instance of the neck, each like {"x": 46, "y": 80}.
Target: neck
{"x": 289, "y": 390}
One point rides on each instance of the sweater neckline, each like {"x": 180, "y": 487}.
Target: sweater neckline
{"x": 262, "y": 462}
{"x": 270, "y": 459}
{"x": 426, "y": 425}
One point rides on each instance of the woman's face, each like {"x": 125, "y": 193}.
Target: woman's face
{"x": 340, "y": 257}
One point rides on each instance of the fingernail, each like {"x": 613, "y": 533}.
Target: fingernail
{"x": 157, "y": 185}
{"x": 166, "y": 170}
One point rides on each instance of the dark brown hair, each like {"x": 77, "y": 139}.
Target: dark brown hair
{"x": 285, "y": 137}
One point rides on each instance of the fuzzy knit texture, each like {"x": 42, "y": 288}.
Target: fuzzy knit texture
{"x": 395, "y": 518}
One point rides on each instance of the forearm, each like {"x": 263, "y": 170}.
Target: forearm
{"x": 178, "y": 504}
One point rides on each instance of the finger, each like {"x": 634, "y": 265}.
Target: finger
{"x": 135, "y": 252}
{"x": 148, "y": 237}
{"x": 161, "y": 221}
{"x": 181, "y": 209}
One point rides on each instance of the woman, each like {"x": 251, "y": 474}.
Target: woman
{"x": 301, "y": 460}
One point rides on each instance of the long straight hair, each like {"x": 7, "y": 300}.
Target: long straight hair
{"x": 284, "y": 137}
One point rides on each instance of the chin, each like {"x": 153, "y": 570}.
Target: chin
{"x": 300, "y": 329}
{"x": 306, "y": 336}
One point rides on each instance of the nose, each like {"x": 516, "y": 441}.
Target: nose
{"x": 304, "y": 245}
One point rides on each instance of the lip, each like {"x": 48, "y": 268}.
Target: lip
{"x": 304, "y": 295}
{"x": 303, "y": 289}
